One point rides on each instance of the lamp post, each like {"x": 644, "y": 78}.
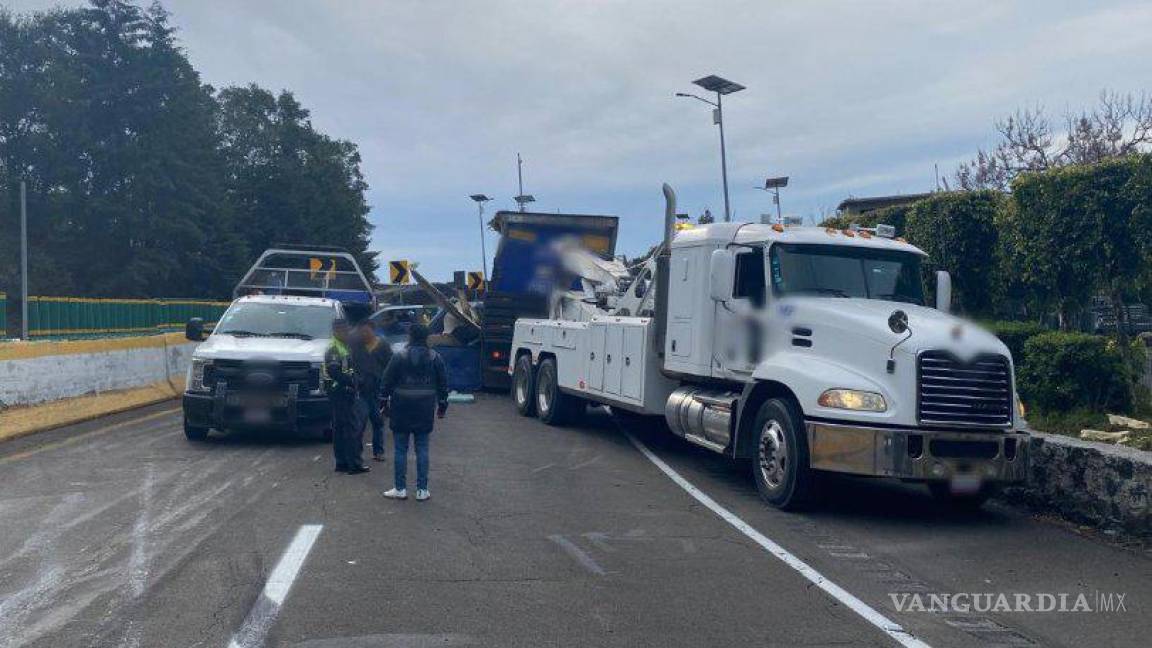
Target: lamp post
{"x": 23, "y": 260}
{"x": 773, "y": 186}
{"x": 523, "y": 198}
{"x": 721, "y": 87}
{"x": 480, "y": 200}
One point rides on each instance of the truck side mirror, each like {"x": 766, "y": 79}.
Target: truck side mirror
{"x": 943, "y": 291}
{"x": 722, "y": 274}
{"x": 194, "y": 329}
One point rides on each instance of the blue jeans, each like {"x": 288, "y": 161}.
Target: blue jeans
{"x": 377, "y": 422}
{"x": 400, "y": 459}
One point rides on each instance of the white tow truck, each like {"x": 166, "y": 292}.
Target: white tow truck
{"x": 804, "y": 349}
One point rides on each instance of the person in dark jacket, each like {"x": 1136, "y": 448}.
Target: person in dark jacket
{"x": 341, "y": 384}
{"x": 370, "y": 357}
{"x": 416, "y": 384}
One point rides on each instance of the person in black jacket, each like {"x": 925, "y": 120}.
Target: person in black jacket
{"x": 342, "y": 385}
{"x": 370, "y": 357}
{"x": 416, "y": 384}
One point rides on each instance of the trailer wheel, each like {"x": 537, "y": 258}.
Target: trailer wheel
{"x": 523, "y": 389}
{"x": 553, "y": 406}
{"x": 781, "y": 465}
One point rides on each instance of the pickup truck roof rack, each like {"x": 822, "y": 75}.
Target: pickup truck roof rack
{"x": 308, "y": 271}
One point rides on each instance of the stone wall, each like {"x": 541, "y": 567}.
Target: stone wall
{"x": 1098, "y": 484}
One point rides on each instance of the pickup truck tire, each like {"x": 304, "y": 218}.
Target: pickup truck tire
{"x": 194, "y": 433}
{"x": 553, "y": 406}
{"x": 781, "y": 465}
{"x": 960, "y": 501}
{"x": 523, "y": 386}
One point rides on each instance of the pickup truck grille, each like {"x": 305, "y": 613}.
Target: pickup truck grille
{"x": 952, "y": 392}
{"x": 262, "y": 375}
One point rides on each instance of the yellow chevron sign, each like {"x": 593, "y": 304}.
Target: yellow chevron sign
{"x": 399, "y": 272}
{"x": 476, "y": 280}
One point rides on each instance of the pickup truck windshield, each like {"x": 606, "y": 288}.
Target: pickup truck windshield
{"x": 277, "y": 320}
{"x": 846, "y": 271}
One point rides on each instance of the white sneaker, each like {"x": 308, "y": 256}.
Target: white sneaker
{"x": 397, "y": 494}
{"x": 422, "y": 494}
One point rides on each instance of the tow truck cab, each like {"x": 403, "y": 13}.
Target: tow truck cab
{"x": 803, "y": 349}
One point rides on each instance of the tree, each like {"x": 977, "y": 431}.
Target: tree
{"x": 1120, "y": 125}
{"x": 110, "y": 126}
{"x": 287, "y": 182}
{"x": 142, "y": 182}
{"x": 958, "y": 232}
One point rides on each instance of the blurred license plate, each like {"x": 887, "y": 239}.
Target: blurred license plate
{"x": 257, "y": 415}
{"x": 257, "y": 401}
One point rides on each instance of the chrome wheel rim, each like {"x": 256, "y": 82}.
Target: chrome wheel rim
{"x": 773, "y": 455}
{"x": 543, "y": 391}
{"x": 521, "y": 386}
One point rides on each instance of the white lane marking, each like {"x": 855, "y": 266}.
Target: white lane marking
{"x": 870, "y": 614}
{"x": 255, "y": 629}
{"x": 544, "y": 467}
{"x": 578, "y": 554}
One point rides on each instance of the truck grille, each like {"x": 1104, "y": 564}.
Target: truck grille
{"x": 262, "y": 375}
{"x": 952, "y": 392}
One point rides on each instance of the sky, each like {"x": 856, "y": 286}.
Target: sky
{"x": 847, "y": 98}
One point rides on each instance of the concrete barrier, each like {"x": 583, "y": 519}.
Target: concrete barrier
{"x": 1097, "y": 484}
{"x": 49, "y": 384}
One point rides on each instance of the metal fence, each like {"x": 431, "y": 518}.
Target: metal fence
{"x": 82, "y": 316}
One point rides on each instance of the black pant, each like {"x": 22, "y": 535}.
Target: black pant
{"x": 348, "y": 414}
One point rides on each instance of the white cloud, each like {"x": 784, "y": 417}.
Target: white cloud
{"x": 846, "y": 97}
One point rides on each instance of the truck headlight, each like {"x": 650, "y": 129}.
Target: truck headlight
{"x": 196, "y": 374}
{"x": 852, "y": 399}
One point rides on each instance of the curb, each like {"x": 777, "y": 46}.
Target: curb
{"x": 19, "y": 422}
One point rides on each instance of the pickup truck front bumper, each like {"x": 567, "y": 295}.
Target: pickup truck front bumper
{"x": 910, "y": 453}
{"x": 300, "y": 414}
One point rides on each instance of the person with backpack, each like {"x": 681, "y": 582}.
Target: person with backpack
{"x": 415, "y": 385}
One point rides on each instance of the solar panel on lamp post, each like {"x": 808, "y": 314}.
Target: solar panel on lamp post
{"x": 480, "y": 200}
{"x": 721, "y": 87}
{"x": 775, "y": 185}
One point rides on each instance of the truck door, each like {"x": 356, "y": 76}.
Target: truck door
{"x": 738, "y": 332}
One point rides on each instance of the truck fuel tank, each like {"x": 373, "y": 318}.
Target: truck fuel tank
{"x": 702, "y": 416}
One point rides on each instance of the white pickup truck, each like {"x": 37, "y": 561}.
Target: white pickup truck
{"x": 804, "y": 349}
{"x": 260, "y": 367}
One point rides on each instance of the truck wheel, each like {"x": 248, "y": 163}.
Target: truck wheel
{"x": 195, "y": 433}
{"x": 553, "y": 406}
{"x": 523, "y": 389}
{"x": 942, "y": 491}
{"x": 781, "y": 466}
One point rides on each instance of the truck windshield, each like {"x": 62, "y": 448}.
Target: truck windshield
{"x": 844, "y": 271}
{"x": 277, "y": 320}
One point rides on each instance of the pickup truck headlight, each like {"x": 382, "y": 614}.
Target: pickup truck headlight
{"x": 852, "y": 399}
{"x": 196, "y": 374}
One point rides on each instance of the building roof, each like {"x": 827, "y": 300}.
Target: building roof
{"x": 877, "y": 202}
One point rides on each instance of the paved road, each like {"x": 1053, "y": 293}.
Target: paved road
{"x": 120, "y": 533}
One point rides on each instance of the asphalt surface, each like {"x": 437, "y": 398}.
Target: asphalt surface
{"x": 119, "y": 532}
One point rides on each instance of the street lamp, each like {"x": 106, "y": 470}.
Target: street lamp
{"x": 524, "y": 199}
{"x": 773, "y": 186}
{"x": 480, "y": 200}
{"x": 721, "y": 87}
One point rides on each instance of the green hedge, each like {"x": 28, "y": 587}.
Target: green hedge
{"x": 1066, "y": 371}
{"x": 1015, "y": 335}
